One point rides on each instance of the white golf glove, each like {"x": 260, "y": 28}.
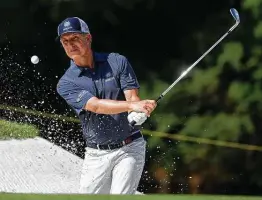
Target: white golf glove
{"x": 138, "y": 117}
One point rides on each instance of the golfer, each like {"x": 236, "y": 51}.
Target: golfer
{"x": 102, "y": 89}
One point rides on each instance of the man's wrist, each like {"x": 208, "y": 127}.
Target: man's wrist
{"x": 129, "y": 106}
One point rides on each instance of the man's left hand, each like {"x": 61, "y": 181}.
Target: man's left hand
{"x": 138, "y": 117}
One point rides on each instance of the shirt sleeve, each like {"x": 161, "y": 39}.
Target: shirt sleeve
{"x": 128, "y": 79}
{"x": 75, "y": 96}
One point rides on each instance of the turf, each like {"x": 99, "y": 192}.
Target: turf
{"x": 14, "y": 130}
{"x": 8, "y": 196}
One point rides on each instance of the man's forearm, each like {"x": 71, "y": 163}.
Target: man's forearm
{"x": 132, "y": 95}
{"x": 108, "y": 106}
{"x": 133, "y": 98}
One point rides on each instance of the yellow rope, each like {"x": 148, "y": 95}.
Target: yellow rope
{"x": 204, "y": 141}
{"x": 38, "y": 113}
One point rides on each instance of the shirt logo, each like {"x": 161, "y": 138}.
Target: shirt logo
{"x": 109, "y": 77}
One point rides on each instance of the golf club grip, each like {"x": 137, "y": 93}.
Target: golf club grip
{"x": 133, "y": 123}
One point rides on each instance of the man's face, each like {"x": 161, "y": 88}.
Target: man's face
{"x": 76, "y": 44}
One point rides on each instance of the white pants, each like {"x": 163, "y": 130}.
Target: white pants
{"x": 115, "y": 171}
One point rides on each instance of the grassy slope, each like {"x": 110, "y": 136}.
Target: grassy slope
{"x": 121, "y": 197}
{"x": 14, "y": 130}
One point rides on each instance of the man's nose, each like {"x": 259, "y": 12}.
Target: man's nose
{"x": 71, "y": 43}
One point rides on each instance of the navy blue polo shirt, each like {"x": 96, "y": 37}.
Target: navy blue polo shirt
{"x": 111, "y": 76}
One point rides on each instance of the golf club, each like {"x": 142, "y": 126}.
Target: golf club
{"x": 235, "y": 15}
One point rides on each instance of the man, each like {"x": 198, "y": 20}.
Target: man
{"x": 102, "y": 89}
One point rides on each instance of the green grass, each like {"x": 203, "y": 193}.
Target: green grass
{"x": 14, "y": 130}
{"x": 5, "y": 196}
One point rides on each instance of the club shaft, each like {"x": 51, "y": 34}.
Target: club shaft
{"x": 192, "y": 66}
{"x": 195, "y": 63}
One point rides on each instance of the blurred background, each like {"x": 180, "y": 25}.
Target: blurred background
{"x": 220, "y": 100}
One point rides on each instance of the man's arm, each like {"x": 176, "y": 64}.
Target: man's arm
{"x": 132, "y": 95}
{"x": 108, "y": 106}
{"x": 81, "y": 100}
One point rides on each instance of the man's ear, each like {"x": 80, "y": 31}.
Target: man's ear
{"x": 89, "y": 38}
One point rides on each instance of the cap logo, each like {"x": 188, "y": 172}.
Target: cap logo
{"x": 66, "y": 24}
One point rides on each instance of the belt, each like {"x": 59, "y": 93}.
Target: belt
{"x": 128, "y": 140}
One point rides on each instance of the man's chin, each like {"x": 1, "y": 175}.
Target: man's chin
{"x": 75, "y": 57}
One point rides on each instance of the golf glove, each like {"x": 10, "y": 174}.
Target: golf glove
{"x": 138, "y": 117}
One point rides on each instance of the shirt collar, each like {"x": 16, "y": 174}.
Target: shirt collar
{"x": 98, "y": 57}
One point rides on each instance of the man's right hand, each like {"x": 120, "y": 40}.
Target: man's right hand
{"x": 145, "y": 106}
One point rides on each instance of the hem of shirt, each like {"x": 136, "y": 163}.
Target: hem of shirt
{"x": 83, "y": 107}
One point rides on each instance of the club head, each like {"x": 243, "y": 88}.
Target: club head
{"x": 235, "y": 14}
